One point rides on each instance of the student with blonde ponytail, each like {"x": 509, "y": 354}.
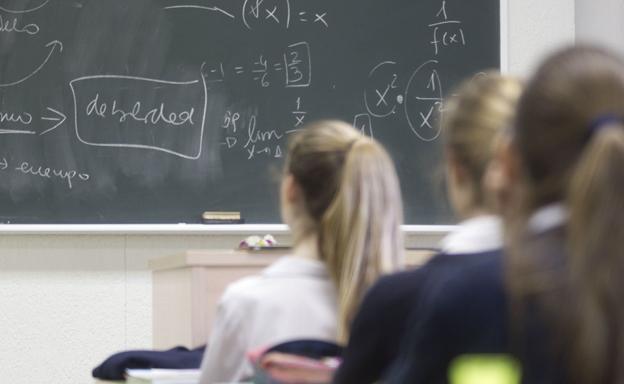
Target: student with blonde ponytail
{"x": 473, "y": 123}
{"x": 554, "y": 299}
{"x": 340, "y": 196}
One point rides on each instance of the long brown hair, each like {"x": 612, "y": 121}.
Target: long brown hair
{"x": 569, "y": 135}
{"x": 353, "y": 202}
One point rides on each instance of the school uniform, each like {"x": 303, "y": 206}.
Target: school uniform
{"x": 294, "y": 298}
{"x": 470, "y": 314}
{"x": 379, "y": 326}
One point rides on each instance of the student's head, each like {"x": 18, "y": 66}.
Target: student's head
{"x": 568, "y": 147}
{"x": 554, "y": 137}
{"x": 341, "y": 187}
{"x": 472, "y": 123}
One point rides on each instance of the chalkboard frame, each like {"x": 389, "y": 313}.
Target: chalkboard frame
{"x": 183, "y": 229}
{"x": 233, "y": 230}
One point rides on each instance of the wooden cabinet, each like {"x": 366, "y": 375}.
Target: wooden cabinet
{"x": 187, "y": 288}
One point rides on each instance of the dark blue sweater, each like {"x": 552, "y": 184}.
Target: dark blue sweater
{"x": 380, "y": 324}
{"x": 470, "y": 314}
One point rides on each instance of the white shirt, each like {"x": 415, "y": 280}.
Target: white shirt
{"x": 292, "y": 299}
{"x": 476, "y": 235}
{"x": 548, "y": 217}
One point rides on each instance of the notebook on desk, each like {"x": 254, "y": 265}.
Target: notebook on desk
{"x": 163, "y": 376}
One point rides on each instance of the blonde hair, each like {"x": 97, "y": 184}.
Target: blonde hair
{"x": 353, "y": 202}
{"x": 473, "y": 120}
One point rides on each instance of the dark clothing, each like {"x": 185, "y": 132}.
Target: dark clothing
{"x": 470, "y": 315}
{"x": 114, "y": 368}
{"x": 379, "y": 326}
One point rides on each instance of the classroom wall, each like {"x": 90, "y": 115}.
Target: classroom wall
{"x": 601, "y": 22}
{"x": 536, "y": 27}
{"x": 66, "y": 302}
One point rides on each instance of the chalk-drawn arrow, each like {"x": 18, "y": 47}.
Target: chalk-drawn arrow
{"x": 52, "y": 44}
{"x": 58, "y": 117}
{"x": 213, "y": 9}
{"x": 25, "y": 10}
{"x": 4, "y": 164}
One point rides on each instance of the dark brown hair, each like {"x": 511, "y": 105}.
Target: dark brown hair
{"x": 564, "y": 160}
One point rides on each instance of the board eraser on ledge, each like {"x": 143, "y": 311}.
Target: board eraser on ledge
{"x": 222, "y": 218}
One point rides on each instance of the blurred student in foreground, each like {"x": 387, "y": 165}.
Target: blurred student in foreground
{"x": 554, "y": 300}
{"x": 471, "y": 126}
{"x": 340, "y": 196}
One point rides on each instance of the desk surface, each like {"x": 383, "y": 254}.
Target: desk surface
{"x": 239, "y": 258}
{"x": 217, "y": 258}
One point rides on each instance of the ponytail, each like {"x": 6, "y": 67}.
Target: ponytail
{"x": 359, "y": 234}
{"x": 352, "y": 201}
{"x": 596, "y": 233}
{"x": 569, "y": 140}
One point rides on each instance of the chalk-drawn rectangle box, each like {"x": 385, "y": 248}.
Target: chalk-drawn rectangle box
{"x": 298, "y": 62}
{"x": 133, "y": 112}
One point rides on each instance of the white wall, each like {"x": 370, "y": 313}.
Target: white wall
{"x": 66, "y": 302}
{"x": 601, "y": 21}
{"x": 536, "y": 27}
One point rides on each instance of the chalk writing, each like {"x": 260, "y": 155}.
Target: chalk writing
{"x": 23, "y": 118}
{"x": 154, "y": 116}
{"x": 8, "y": 25}
{"x": 294, "y": 68}
{"x": 383, "y": 94}
{"x": 446, "y": 32}
{"x": 116, "y": 119}
{"x": 263, "y": 13}
{"x": 423, "y": 98}
{"x": 256, "y": 12}
{"x": 58, "y": 118}
{"x": 255, "y": 135}
{"x": 299, "y": 114}
{"x": 214, "y": 9}
{"x": 298, "y": 62}
{"x": 68, "y": 176}
{"x": 257, "y": 142}
{"x": 364, "y": 123}
{"x": 230, "y": 120}
{"x": 230, "y": 124}
{"x": 52, "y": 45}
{"x": 15, "y": 11}
{"x": 260, "y": 71}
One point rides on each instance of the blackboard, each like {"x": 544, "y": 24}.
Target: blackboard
{"x": 154, "y": 111}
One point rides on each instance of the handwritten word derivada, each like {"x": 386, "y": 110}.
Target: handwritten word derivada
{"x": 153, "y": 116}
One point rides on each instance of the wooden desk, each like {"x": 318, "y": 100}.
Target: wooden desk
{"x": 187, "y": 288}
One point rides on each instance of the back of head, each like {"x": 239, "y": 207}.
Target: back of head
{"x": 353, "y": 202}
{"x": 570, "y": 139}
{"x": 473, "y": 120}
{"x": 570, "y": 91}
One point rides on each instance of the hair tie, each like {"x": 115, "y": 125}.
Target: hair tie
{"x": 604, "y": 121}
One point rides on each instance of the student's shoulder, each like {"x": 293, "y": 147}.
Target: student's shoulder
{"x": 478, "y": 284}
{"x": 439, "y": 264}
{"x": 246, "y": 289}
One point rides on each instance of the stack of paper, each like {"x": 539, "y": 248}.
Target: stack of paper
{"x": 163, "y": 376}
